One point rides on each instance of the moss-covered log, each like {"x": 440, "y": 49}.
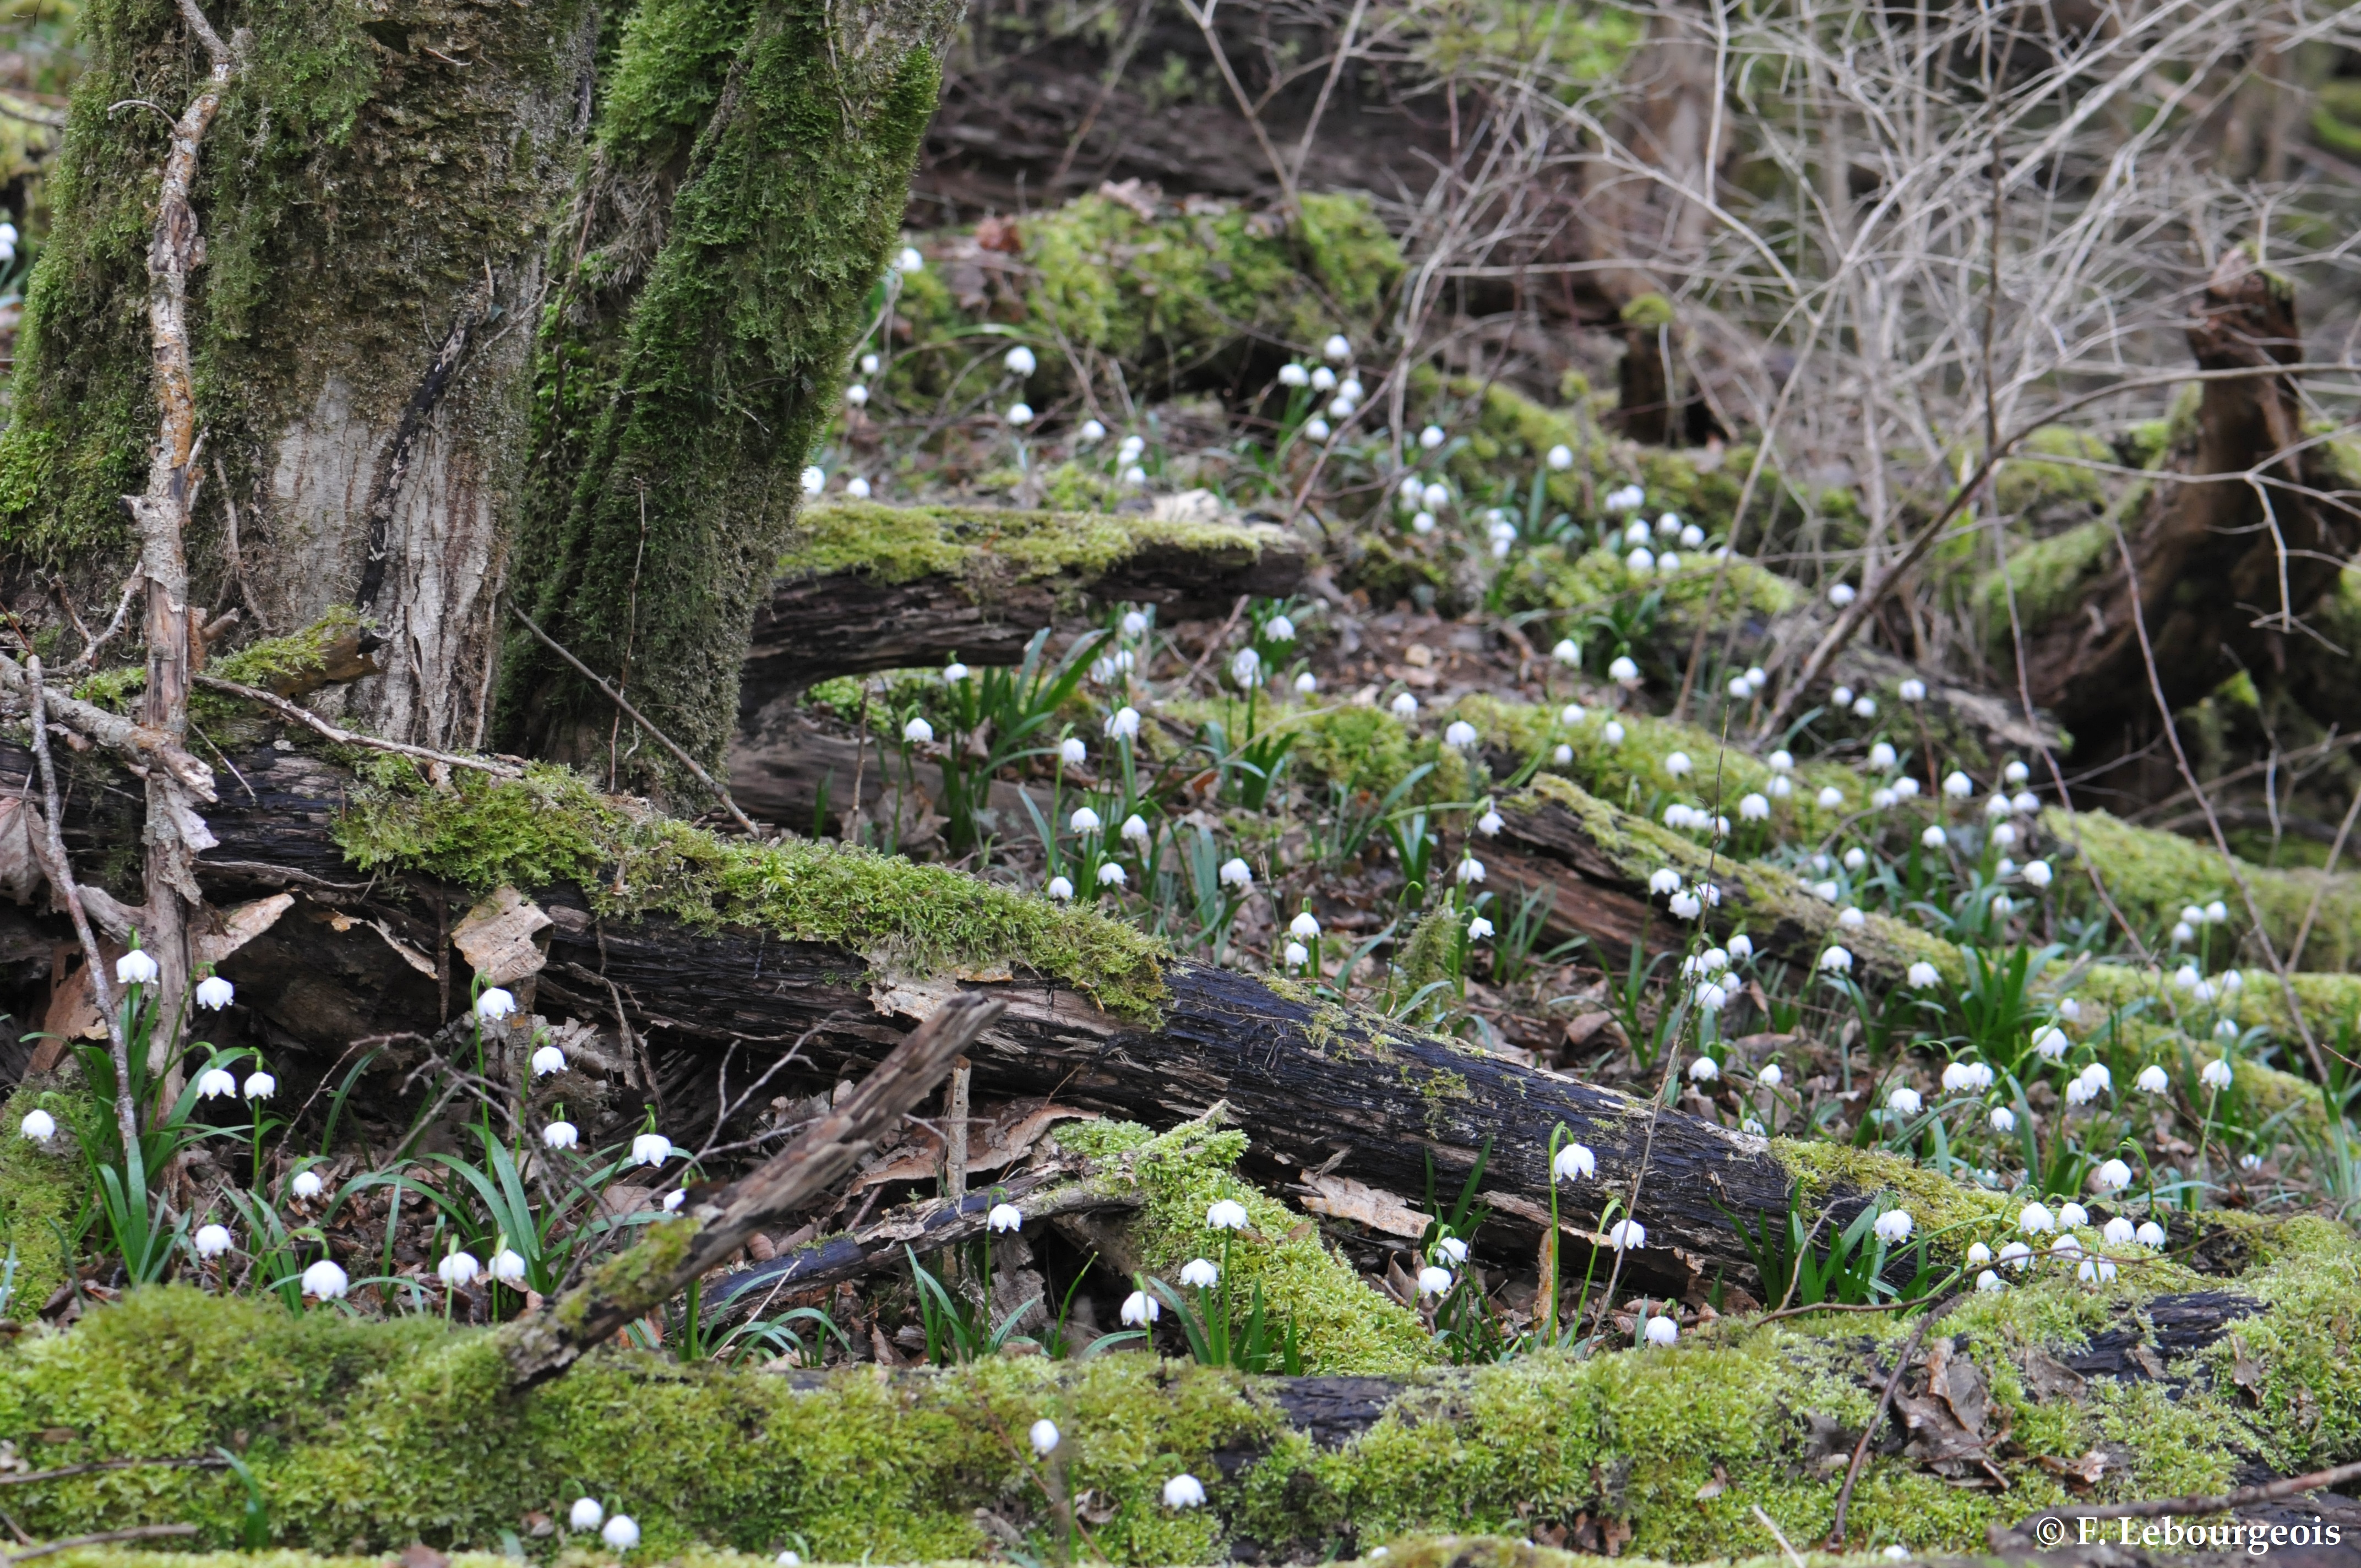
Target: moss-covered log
{"x": 2158, "y": 1383}
{"x": 750, "y": 170}
{"x": 865, "y": 587}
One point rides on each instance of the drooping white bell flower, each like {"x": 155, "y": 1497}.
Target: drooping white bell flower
{"x": 1434, "y": 1280}
{"x": 856, "y": 394}
{"x": 1200, "y": 1274}
{"x": 214, "y": 992}
{"x": 1837, "y": 961}
{"x": 622, "y": 1533}
{"x": 1112, "y": 875}
{"x": 457, "y": 1268}
{"x": 1662, "y": 1331}
{"x": 1140, "y": 1310}
{"x": 1905, "y": 1101}
{"x": 1830, "y": 798}
{"x": 1841, "y": 595}
{"x": 585, "y": 1514}
{"x": 1235, "y": 872}
{"x": 1471, "y": 870}
{"x": 215, "y": 1082}
{"x": 1459, "y": 735}
{"x": 1337, "y": 349}
{"x": 1574, "y": 1162}
{"x": 1304, "y": 927}
{"x": 136, "y": 968}
{"x": 1560, "y": 458}
{"x": 1893, "y": 1225}
{"x": 1134, "y": 829}
{"x": 1913, "y": 690}
{"x": 1754, "y": 808}
{"x": 1185, "y": 1491}
{"x": 815, "y": 480}
{"x": 1742, "y": 947}
{"x": 2050, "y": 1042}
{"x": 1043, "y": 1433}
{"x": 1978, "y": 1255}
{"x": 2118, "y": 1230}
{"x": 2153, "y": 1079}
{"x": 1990, "y": 1283}
{"x": 561, "y": 1136}
{"x": 1478, "y": 929}
{"x": 1405, "y": 707}
{"x": 1306, "y": 683}
{"x": 306, "y": 1185}
{"x": 1004, "y": 1217}
{"x": 212, "y": 1240}
{"x": 2035, "y": 1219}
{"x": 325, "y": 1281}
{"x": 261, "y": 1086}
{"x": 2113, "y": 1176}
{"x": 1296, "y": 955}
{"x": 2150, "y": 1235}
{"x": 38, "y": 1125}
{"x": 1123, "y": 723}
{"x": 650, "y": 1149}
{"x": 1627, "y": 1233}
{"x": 508, "y": 1266}
{"x": 1226, "y": 1214}
{"x": 1431, "y": 437}
{"x": 548, "y": 1060}
{"x": 2003, "y": 1119}
{"x": 2217, "y": 1074}
{"x": 1018, "y": 361}
{"x": 1771, "y": 1075}
{"x": 1704, "y": 1070}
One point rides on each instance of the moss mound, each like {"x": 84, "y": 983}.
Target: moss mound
{"x": 900, "y": 544}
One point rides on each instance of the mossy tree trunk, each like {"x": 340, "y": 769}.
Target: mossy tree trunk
{"x": 375, "y": 199}
{"x": 663, "y": 223}
{"x": 747, "y": 183}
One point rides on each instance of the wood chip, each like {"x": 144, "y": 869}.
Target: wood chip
{"x": 496, "y": 937}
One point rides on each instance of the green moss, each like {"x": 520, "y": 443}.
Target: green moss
{"x": 551, "y": 828}
{"x": 2049, "y": 578}
{"x": 1648, "y": 312}
{"x": 675, "y": 416}
{"x": 1574, "y": 588}
{"x": 1963, "y": 1212}
{"x": 2153, "y": 875}
{"x": 113, "y": 689}
{"x": 298, "y": 656}
{"x": 43, "y": 1187}
{"x": 1343, "y": 1325}
{"x": 2051, "y": 467}
{"x": 900, "y": 544}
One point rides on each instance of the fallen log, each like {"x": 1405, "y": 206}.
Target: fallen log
{"x": 868, "y": 588}
{"x": 1094, "y": 1016}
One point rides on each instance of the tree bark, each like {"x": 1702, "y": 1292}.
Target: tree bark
{"x": 2226, "y": 563}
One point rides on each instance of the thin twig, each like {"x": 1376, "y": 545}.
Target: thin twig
{"x": 1869, "y": 1433}
{"x": 2222, "y": 1503}
{"x": 137, "y": 1533}
{"x": 185, "y": 1461}
{"x": 296, "y": 713}
{"x": 634, "y": 714}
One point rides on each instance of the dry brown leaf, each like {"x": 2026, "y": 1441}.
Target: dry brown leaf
{"x": 1342, "y": 1198}
{"x": 235, "y": 928}
{"x": 496, "y": 937}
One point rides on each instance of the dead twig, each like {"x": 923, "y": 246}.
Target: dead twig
{"x": 137, "y": 1533}
{"x": 2222, "y": 1503}
{"x": 1869, "y": 1432}
{"x": 296, "y": 713}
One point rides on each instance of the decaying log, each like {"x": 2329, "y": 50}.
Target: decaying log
{"x": 715, "y": 1225}
{"x": 2226, "y": 563}
{"x": 872, "y": 587}
{"x": 1315, "y": 1086}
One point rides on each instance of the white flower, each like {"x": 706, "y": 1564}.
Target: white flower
{"x": 1306, "y": 683}
{"x": 1123, "y": 723}
{"x": 1692, "y": 536}
{"x": 1304, "y": 927}
{"x": 2216, "y": 913}
{"x": 1934, "y": 837}
{"x": 2080, "y": 1091}
{"x": 1573, "y": 1162}
{"x": 211, "y": 1241}
{"x": 1018, "y": 361}
{"x": 1864, "y": 707}
{"x": 1851, "y": 919}
{"x": 1434, "y": 1280}
{"x": 325, "y": 1281}
{"x": 1489, "y": 823}
{"x": 1754, "y": 808}
{"x": 1663, "y": 1330}
{"x": 1296, "y": 954}
{"x": 1704, "y": 1070}
{"x": 2003, "y": 1119}
{"x": 1831, "y": 799}
{"x": 856, "y": 487}
{"x": 1471, "y": 870}
{"x": 1905, "y": 1101}
{"x": 2097, "y": 1075}
{"x": 1685, "y": 905}
{"x": 1741, "y": 947}
{"x": 1642, "y": 560}
{"x": 1336, "y": 350}
{"x": 2232, "y": 980}
{"x": 954, "y": 673}
{"x": 2024, "y": 803}
{"x": 2016, "y": 1254}
{"x": 1405, "y": 707}
{"x": 456, "y": 1268}
{"x": 1561, "y": 458}
{"x": 1893, "y": 1225}
{"x": 651, "y": 1148}
{"x": 2152, "y": 1080}
{"x": 1855, "y": 858}
{"x": 1134, "y": 829}
{"x": 1004, "y": 1217}
{"x": 1185, "y": 1491}
{"x": 1906, "y": 787}
{"x": 1665, "y": 880}
{"x": 560, "y": 1136}
{"x": 815, "y": 480}
{"x": 2183, "y": 934}
{"x": 2095, "y": 1271}
{"x": 1245, "y": 666}
{"x": 1771, "y": 1075}
{"x": 306, "y": 1185}
{"x": 2070, "y": 1010}
{"x": 38, "y": 1125}
{"x": 2217, "y": 1074}
{"x": 548, "y": 1059}
{"x": 1431, "y": 437}
{"x": 918, "y": 732}
{"x": 1135, "y": 475}
{"x": 2113, "y": 1176}
{"x": 1091, "y": 434}
{"x": 136, "y": 968}
{"x": 1625, "y": 1234}
{"x": 1226, "y": 1214}
{"x": 1841, "y": 595}
{"x": 1235, "y": 872}
{"x": 2118, "y": 1230}
{"x": 2035, "y": 1220}
{"x": 2003, "y": 834}
{"x": 1611, "y": 733}
{"x": 585, "y": 1514}
{"x": 2150, "y": 1235}
{"x": 1459, "y": 735}
{"x": 2069, "y": 1216}
{"x": 2250, "y": 1162}
{"x": 1083, "y": 820}
{"x": 1623, "y": 672}
{"x": 1020, "y": 414}
{"x": 621, "y": 1532}
{"x": 1978, "y": 1255}
{"x": 1323, "y": 379}
{"x": 1826, "y": 891}
{"x": 1780, "y": 762}
{"x": 261, "y": 1086}
{"x": 1422, "y": 522}
{"x": 1293, "y": 375}
{"x": 1881, "y": 756}
{"x": 1479, "y": 928}
{"x": 1738, "y": 690}
{"x": 1043, "y": 1433}
{"x": 1967, "y": 1078}
{"x": 910, "y": 261}
{"x": 214, "y": 992}
{"x": 1071, "y": 751}
{"x": 1631, "y": 497}
{"x": 856, "y": 394}
{"x": 1437, "y": 497}
{"x": 1139, "y": 1310}
{"x": 508, "y": 1266}
{"x": 1668, "y": 563}
{"x": 2050, "y": 1042}
{"x": 673, "y": 1201}
{"x": 1199, "y": 1273}
{"x": 2225, "y": 1029}
{"x": 1112, "y": 875}
{"x": 1677, "y": 764}
{"x": 215, "y": 1082}
{"x": 1837, "y": 961}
